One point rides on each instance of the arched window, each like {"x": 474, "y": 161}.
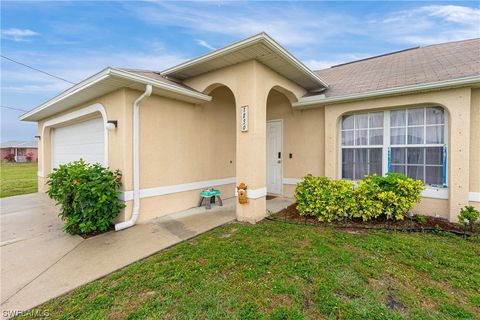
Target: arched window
{"x": 411, "y": 141}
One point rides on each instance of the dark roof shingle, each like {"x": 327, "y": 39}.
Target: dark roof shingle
{"x": 432, "y": 63}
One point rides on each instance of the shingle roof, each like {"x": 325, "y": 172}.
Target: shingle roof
{"x": 432, "y": 63}
{"x": 19, "y": 144}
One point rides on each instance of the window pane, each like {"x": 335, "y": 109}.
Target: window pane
{"x": 347, "y": 171}
{"x": 376, "y": 120}
{"x": 361, "y": 163}
{"x": 397, "y": 136}
{"x": 347, "y": 138}
{"x": 361, "y": 121}
{"x": 415, "y": 135}
{"x": 397, "y": 118}
{"x": 415, "y": 117}
{"x": 433, "y": 175}
{"x": 361, "y": 137}
{"x": 376, "y": 155}
{"x": 435, "y": 115}
{"x": 434, "y": 155}
{"x": 415, "y": 155}
{"x": 399, "y": 169}
{"x": 434, "y": 134}
{"x": 361, "y": 170}
{"x": 397, "y": 155}
{"x": 415, "y": 172}
{"x": 376, "y": 136}
{"x": 347, "y": 155}
{"x": 347, "y": 122}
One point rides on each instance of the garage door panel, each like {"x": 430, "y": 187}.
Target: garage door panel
{"x": 84, "y": 140}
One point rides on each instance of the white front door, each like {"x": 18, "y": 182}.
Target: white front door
{"x": 274, "y": 157}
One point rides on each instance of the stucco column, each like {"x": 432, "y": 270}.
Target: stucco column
{"x": 459, "y": 153}
{"x": 251, "y": 151}
{"x": 331, "y": 142}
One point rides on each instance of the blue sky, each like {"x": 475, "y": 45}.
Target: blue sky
{"x": 75, "y": 39}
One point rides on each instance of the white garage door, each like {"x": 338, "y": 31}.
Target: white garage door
{"x": 83, "y": 140}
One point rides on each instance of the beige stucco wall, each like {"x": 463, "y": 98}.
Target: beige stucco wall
{"x": 475, "y": 142}
{"x": 182, "y": 143}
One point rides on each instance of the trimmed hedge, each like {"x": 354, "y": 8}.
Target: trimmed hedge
{"x": 391, "y": 196}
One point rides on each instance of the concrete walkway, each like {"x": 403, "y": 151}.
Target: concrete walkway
{"x": 40, "y": 262}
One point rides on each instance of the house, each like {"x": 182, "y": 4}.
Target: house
{"x": 22, "y": 151}
{"x": 251, "y": 112}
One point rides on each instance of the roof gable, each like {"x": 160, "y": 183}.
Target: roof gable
{"x": 260, "y": 47}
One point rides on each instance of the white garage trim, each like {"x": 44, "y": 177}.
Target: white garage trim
{"x": 97, "y": 107}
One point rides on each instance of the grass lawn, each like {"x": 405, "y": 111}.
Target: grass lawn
{"x": 274, "y": 270}
{"x": 17, "y": 178}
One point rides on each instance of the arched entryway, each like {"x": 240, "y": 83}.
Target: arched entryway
{"x": 279, "y": 115}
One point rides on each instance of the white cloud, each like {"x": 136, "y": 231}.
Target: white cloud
{"x": 454, "y": 14}
{"x": 429, "y": 24}
{"x": 292, "y": 25}
{"x": 18, "y": 34}
{"x": 205, "y": 44}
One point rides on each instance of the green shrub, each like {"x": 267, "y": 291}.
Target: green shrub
{"x": 87, "y": 194}
{"x": 468, "y": 213}
{"x": 393, "y": 196}
{"x": 420, "y": 219}
{"x": 367, "y": 195}
{"x": 324, "y": 198}
{"x": 399, "y": 194}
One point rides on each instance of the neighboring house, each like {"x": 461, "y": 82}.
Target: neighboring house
{"x": 251, "y": 112}
{"x": 21, "y": 150}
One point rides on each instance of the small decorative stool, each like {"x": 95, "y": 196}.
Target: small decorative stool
{"x": 207, "y": 195}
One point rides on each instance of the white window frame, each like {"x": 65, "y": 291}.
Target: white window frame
{"x": 386, "y": 147}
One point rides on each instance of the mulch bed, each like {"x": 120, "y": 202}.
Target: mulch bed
{"x": 96, "y": 233}
{"x": 291, "y": 214}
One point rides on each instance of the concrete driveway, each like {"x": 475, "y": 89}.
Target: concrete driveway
{"x": 40, "y": 262}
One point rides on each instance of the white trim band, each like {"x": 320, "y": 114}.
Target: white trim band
{"x": 164, "y": 190}
{"x": 256, "y": 193}
{"x": 435, "y": 193}
{"x": 474, "y": 196}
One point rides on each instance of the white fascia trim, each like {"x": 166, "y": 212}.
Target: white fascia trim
{"x": 474, "y": 196}
{"x": 261, "y": 37}
{"x": 435, "y": 193}
{"x": 161, "y": 85}
{"x": 65, "y": 94}
{"x": 320, "y": 100}
{"x": 97, "y": 107}
{"x": 161, "y": 191}
{"x": 104, "y": 74}
{"x": 293, "y": 181}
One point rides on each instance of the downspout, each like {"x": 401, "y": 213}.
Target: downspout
{"x": 136, "y": 163}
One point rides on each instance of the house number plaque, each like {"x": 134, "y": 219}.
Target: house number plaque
{"x": 244, "y": 119}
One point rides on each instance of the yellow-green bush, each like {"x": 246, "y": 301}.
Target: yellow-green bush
{"x": 391, "y": 196}
{"x": 324, "y": 198}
